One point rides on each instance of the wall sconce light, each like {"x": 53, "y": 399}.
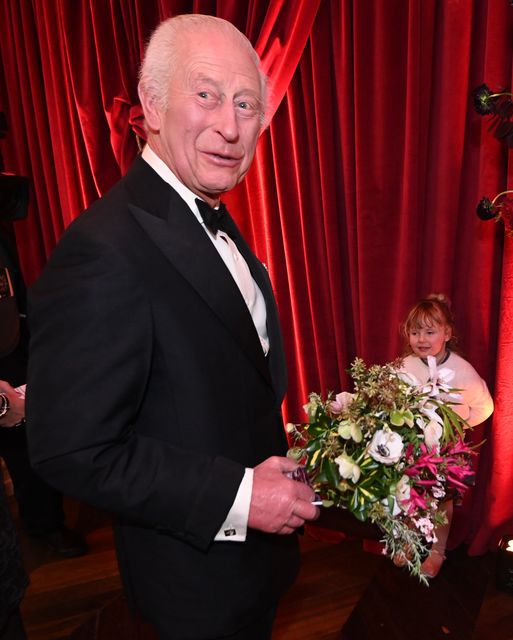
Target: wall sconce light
{"x": 504, "y": 573}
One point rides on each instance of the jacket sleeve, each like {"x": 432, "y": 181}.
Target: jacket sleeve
{"x": 478, "y": 399}
{"x": 90, "y": 359}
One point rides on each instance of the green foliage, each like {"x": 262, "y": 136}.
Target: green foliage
{"x": 372, "y": 452}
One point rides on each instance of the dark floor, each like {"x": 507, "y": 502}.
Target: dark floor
{"x": 342, "y": 593}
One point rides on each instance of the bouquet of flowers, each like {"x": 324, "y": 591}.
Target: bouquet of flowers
{"x": 391, "y": 453}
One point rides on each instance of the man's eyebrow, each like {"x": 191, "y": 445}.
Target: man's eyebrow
{"x": 246, "y": 91}
{"x": 202, "y": 78}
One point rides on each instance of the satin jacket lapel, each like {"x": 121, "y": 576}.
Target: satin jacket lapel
{"x": 176, "y": 232}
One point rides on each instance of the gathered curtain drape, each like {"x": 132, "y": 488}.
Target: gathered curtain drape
{"x": 363, "y": 192}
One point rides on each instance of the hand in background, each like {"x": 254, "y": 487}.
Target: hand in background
{"x": 279, "y": 504}
{"x": 16, "y": 411}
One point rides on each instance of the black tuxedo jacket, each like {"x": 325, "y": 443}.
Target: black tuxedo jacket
{"x": 148, "y": 395}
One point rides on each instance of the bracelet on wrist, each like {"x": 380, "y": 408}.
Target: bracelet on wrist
{"x": 4, "y": 405}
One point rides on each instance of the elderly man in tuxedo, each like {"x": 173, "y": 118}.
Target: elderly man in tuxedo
{"x": 156, "y": 368}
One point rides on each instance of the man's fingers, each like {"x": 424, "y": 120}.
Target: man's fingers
{"x": 305, "y": 510}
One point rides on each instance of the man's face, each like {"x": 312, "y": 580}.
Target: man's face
{"x": 209, "y": 132}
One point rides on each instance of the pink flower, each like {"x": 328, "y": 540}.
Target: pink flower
{"x": 416, "y": 501}
{"x": 426, "y": 527}
{"x": 428, "y": 461}
{"x": 341, "y": 402}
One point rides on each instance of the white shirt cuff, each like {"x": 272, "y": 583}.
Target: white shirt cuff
{"x": 235, "y": 527}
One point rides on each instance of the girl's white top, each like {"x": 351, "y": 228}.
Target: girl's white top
{"x": 476, "y": 403}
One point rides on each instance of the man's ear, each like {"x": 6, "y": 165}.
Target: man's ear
{"x": 150, "y": 107}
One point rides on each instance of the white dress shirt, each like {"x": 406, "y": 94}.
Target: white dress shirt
{"x": 234, "y": 528}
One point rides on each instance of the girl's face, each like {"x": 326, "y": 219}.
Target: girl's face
{"x": 430, "y": 340}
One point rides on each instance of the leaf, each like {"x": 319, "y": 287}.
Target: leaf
{"x": 360, "y": 515}
{"x": 321, "y": 478}
{"x": 367, "y": 494}
{"x": 368, "y": 463}
{"x": 316, "y": 454}
{"x": 330, "y": 470}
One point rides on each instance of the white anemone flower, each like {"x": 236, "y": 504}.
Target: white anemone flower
{"x": 386, "y": 446}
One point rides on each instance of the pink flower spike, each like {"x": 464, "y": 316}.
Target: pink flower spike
{"x": 460, "y": 470}
{"x": 416, "y": 500}
{"x": 429, "y": 460}
{"x": 457, "y": 448}
{"x": 456, "y": 482}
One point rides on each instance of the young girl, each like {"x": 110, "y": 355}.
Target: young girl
{"x": 429, "y": 331}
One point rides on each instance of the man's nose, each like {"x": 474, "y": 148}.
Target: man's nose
{"x": 227, "y": 124}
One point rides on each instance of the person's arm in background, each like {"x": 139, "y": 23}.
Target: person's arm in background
{"x": 15, "y": 408}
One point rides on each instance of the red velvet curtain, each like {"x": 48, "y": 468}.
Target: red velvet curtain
{"x": 362, "y": 196}
{"x": 69, "y": 90}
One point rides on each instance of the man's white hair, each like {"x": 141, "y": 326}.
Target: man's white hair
{"x": 161, "y": 55}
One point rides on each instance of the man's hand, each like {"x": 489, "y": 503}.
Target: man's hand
{"x": 279, "y": 504}
{"x": 16, "y": 411}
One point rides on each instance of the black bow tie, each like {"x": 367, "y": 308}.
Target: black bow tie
{"x": 214, "y": 219}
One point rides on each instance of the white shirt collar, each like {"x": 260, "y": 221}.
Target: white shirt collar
{"x": 160, "y": 167}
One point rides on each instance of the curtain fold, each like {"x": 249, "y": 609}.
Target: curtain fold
{"x": 281, "y": 42}
{"x": 363, "y": 191}
{"x": 494, "y": 512}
